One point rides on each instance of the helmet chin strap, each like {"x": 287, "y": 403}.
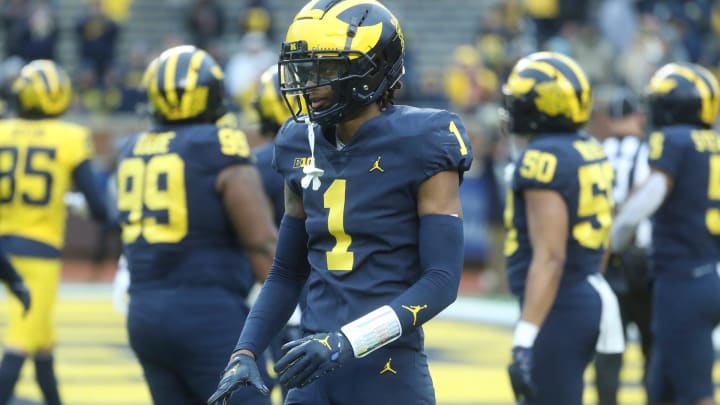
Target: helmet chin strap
{"x": 312, "y": 173}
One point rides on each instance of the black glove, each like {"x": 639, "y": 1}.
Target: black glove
{"x": 240, "y": 372}
{"x": 312, "y": 356}
{"x": 520, "y": 374}
{"x": 20, "y": 290}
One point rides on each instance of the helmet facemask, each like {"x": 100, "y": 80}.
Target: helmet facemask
{"x": 352, "y": 76}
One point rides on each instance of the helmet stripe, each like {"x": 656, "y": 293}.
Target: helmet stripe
{"x": 580, "y": 77}
{"x": 169, "y": 70}
{"x": 51, "y": 76}
{"x": 714, "y": 100}
{"x": 706, "y": 114}
{"x": 563, "y": 83}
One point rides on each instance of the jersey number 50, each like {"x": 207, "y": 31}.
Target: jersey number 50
{"x": 151, "y": 199}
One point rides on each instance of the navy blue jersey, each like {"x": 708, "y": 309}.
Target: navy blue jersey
{"x": 174, "y": 226}
{"x": 272, "y": 181}
{"x": 686, "y": 231}
{"x": 362, "y": 222}
{"x": 576, "y": 167}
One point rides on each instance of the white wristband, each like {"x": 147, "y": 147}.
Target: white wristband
{"x": 525, "y": 334}
{"x": 373, "y": 331}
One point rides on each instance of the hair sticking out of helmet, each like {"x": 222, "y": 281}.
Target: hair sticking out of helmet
{"x": 185, "y": 84}
{"x": 356, "y": 47}
{"x": 42, "y": 90}
{"x": 683, "y": 93}
{"x": 547, "y": 92}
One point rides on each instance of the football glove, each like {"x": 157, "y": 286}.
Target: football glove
{"x": 241, "y": 371}
{"x": 20, "y": 290}
{"x": 520, "y": 374}
{"x": 309, "y": 358}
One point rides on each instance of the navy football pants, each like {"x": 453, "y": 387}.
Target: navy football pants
{"x": 183, "y": 337}
{"x": 386, "y": 376}
{"x": 685, "y": 312}
{"x": 566, "y": 344}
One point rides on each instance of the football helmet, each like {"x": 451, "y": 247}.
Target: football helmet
{"x": 269, "y": 103}
{"x": 356, "y": 47}
{"x": 42, "y": 90}
{"x": 185, "y": 84}
{"x": 546, "y": 92}
{"x": 683, "y": 93}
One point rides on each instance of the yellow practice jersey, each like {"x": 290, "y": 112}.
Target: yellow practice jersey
{"x": 37, "y": 160}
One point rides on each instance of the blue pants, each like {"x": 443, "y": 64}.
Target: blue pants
{"x": 685, "y": 313}
{"x": 565, "y": 345}
{"x": 387, "y": 376}
{"x": 183, "y": 337}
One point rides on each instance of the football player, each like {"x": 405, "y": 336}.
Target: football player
{"x": 682, "y": 194}
{"x": 272, "y": 112}
{"x": 558, "y": 212}
{"x": 371, "y": 202}
{"x": 196, "y": 230}
{"x": 41, "y": 158}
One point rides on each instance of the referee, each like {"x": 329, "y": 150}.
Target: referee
{"x": 627, "y": 271}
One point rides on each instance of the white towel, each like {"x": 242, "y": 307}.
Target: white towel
{"x": 611, "y": 338}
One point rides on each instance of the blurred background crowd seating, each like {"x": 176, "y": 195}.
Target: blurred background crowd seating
{"x": 458, "y": 54}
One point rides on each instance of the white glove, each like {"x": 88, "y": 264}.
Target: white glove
{"x": 121, "y": 282}
{"x": 76, "y": 203}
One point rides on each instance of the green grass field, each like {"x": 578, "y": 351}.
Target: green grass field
{"x": 96, "y": 366}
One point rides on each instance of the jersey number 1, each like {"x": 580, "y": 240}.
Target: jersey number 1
{"x": 339, "y": 258}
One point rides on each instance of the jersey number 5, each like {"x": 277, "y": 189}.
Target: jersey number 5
{"x": 595, "y": 204}
{"x": 152, "y": 200}
{"x": 712, "y": 216}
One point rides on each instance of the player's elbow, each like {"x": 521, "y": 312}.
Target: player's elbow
{"x": 552, "y": 260}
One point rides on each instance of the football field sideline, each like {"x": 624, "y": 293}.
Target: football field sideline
{"x": 468, "y": 347}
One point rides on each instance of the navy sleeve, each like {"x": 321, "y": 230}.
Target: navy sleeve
{"x": 441, "y": 247}
{"x": 446, "y": 145}
{"x": 85, "y": 182}
{"x": 281, "y": 291}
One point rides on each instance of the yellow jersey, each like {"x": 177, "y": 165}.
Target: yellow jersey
{"x": 37, "y": 160}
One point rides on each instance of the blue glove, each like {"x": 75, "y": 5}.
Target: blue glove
{"x": 20, "y": 290}
{"x": 520, "y": 374}
{"x": 312, "y": 356}
{"x": 240, "y": 372}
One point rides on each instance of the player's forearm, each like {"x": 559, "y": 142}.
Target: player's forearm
{"x": 441, "y": 257}
{"x": 640, "y": 206}
{"x": 441, "y": 245}
{"x": 261, "y": 258}
{"x": 541, "y": 288}
{"x": 83, "y": 178}
{"x": 281, "y": 290}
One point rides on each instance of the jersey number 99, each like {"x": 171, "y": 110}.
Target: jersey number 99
{"x": 152, "y": 199}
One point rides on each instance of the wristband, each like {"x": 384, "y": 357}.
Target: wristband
{"x": 525, "y": 334}
{"x": 372, "y": 331}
